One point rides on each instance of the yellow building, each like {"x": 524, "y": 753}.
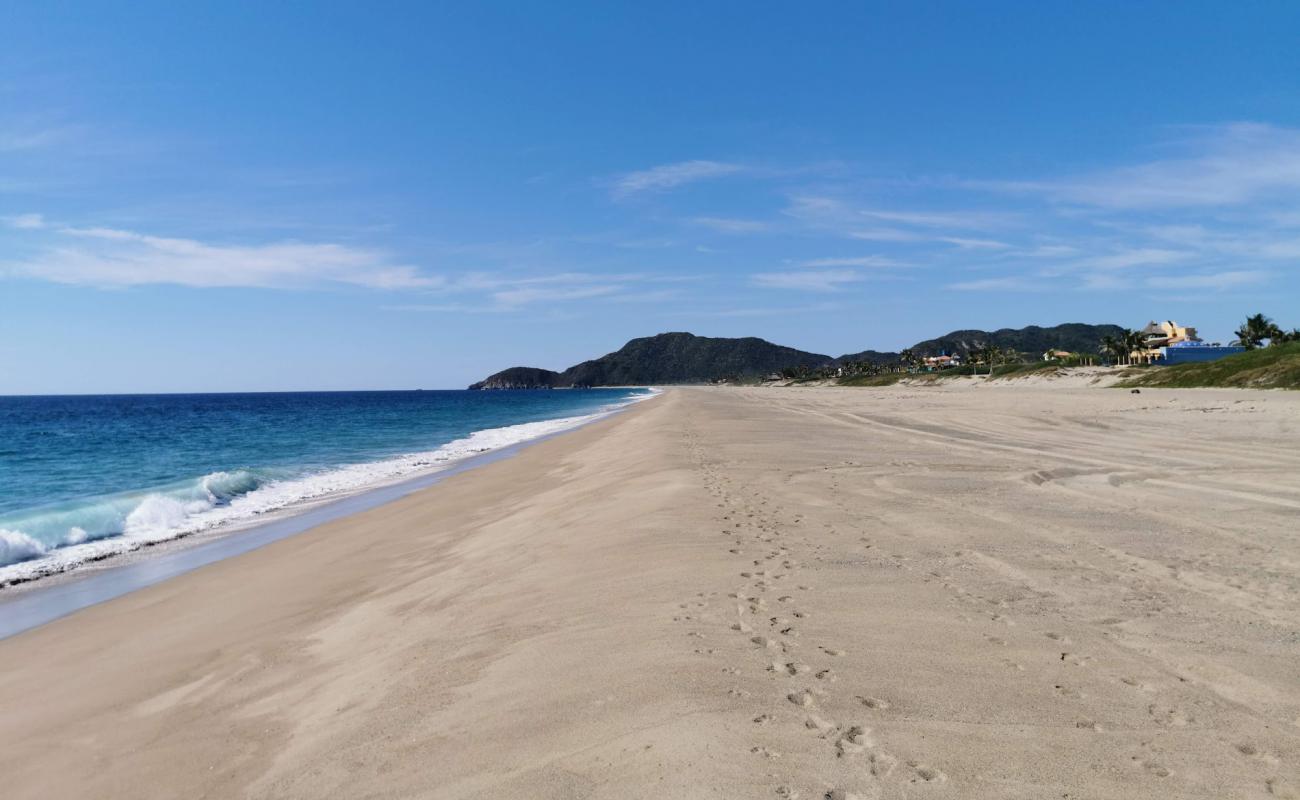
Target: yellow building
{"x": 1162, "y": 334}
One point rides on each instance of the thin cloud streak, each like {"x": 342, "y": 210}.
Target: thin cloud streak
{"x": 115, "y": 258}
{"x": 731, "y": 225}
{"x": 671, "y": 176}
{"x": 827, "y": 280}
{"x": 1226, "y": 165}
{"x": 862, "y": 261}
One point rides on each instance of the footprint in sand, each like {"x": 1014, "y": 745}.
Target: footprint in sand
{"x": 765, "y": 753}
{"x": 855, "y": 740}
{"x": 791, "y": 668}
{"x": 874, "y": 703}
{"x": 1249, "y": 750}
{"x": 881, "y": 763}
{"x": 1170, "y": 717}
{"x": 823, "y": 727}
{"x": 1155, "y": 769}
{"x": 803, "y": 699}
{"x": 830, "y": 651}
{"x": 926, "y": 773}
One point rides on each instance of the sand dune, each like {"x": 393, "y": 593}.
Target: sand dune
{"x": 979, "y": 591}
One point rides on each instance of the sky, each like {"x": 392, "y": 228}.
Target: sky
{"x": 309, "y": 196}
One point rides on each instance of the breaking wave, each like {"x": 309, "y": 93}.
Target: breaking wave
{"x": 56, "y": 539}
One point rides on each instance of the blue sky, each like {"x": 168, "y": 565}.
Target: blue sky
{"x": 332, "y": 196}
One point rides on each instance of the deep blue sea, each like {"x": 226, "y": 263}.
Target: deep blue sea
{"x": 86, "y": 477}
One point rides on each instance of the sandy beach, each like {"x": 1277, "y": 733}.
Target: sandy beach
{"x": 1001, "y": 590}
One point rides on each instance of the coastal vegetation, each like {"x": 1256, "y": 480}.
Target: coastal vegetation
{"x": 1274, "y": 367}
{"x": 1271, "y": 361}
{"x": 1258, "y": 329}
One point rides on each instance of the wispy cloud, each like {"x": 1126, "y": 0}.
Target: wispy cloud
{"x": 732, "y": 225}
{"x": 857, "y": 261}
{"x": 1220, "y": 166}
{"x": 824, "y": 280}
{"x": 25, "y": 221}
{"x": 760, "y": 311}
{"x": 968, "y": 220}
{"x": 967, "y": 243}
{"x": 492, "y": 293}
{"x": 1006, "y": 283}
{"x": 1229, "y": 279}
{"x": 670, "y": 176}
{"x": 904, "y": 227}
{"x": 16, "y": 137}
{"x": 1137, "y": 257}
{"x": 110, "y": 257}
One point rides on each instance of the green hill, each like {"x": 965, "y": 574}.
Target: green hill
{"x": 687, "y": 358}
{"x": 1077, "y": 337}
{"x": 666, "y": 358}
{"x": 1267, "y": 368}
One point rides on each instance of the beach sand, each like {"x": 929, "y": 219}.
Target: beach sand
{"x": 984, "y": 590}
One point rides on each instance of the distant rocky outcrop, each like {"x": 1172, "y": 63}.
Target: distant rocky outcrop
{"x": 519, "y": 378}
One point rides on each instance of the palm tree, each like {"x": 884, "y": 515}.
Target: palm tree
{"x": 988, "y": 355}
{"x": 1255, "y": 330}
{"x": 1133, "y": 342}
{"x": 1111, "y": 348}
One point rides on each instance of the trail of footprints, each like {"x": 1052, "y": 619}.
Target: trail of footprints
{"x": 768, "y": 614}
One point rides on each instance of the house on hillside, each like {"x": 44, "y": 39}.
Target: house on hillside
{"x": 1057, "y": 355}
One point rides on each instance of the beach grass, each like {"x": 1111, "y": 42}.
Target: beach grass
{"x": 999, "y": 371}
{"x": 1266, "y": 368}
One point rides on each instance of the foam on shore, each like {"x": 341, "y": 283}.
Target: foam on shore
{"x": 63, "y": 539}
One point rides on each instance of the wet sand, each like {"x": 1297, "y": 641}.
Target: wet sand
{"x": 1010, "y": 591}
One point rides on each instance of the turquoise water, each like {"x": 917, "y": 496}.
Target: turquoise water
{"x": 85, "y": 477}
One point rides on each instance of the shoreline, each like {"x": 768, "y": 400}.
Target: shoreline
{"x": 731, "y": 593}
{"x": 30, "y": 602}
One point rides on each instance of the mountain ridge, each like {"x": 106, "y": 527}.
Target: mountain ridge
{"x": 681, "y": 357}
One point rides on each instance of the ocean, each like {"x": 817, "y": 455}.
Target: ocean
{"x": 83, "y": 478}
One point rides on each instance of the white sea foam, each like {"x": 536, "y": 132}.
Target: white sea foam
{"x": 228, "y": 499}
{"x": 18, "y": 546}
